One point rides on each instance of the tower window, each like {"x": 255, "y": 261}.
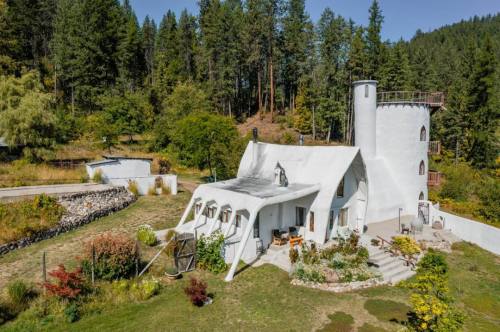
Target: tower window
{"x": 311, "y": 221}
{"x": 423, "y": 134}
{"x": 421, "y": 168}
{"x": 421, "y": 196}
{"x": 366, "y": 90}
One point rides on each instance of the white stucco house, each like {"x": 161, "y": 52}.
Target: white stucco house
{"x": 322, "y": 192}
{"x": 119, "y": 171}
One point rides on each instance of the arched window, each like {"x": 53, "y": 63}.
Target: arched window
{"x": 423, "y": 134}
{"x": 421, "y": 196}
{"x": 421, "y": 168}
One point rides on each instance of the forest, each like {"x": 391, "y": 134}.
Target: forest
{"x": 88, "y": 68}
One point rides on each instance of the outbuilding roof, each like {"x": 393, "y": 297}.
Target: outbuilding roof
{"x": 2, "y": 143}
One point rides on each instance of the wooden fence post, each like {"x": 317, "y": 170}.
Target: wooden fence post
{"x": 93, "y": 264}
{"x": 136, "y": 259}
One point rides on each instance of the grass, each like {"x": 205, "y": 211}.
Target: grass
{"x": 20, "y": 173}
{"x": 339, "y": 322}
{"x": 387, "y": 310}
{"x": 258, "y": 299}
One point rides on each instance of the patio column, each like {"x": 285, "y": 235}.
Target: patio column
{"x": 195, "y": 224}
{"x": 243, "y": 243}
{"x": 186, "y": 212}
{"x": 230, "y": 223}
{"x": 216, "y": 219}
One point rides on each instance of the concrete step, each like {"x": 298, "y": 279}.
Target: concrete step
{"x": 390, "y": 266}
{"x": 378, "y": 255}
{"x": 388, "y": 275}
{"x": 402, "y": 276}
{"x": 382, "y": 260}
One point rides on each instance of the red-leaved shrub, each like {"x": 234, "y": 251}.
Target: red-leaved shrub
{"x": 68, "y": 285}
{"x": 115, "y": 256}
{"x": 197, "y": 291}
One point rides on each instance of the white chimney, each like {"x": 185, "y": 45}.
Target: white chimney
{"x": 365, "y": 106}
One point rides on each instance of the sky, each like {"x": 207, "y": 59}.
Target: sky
{"x": 402, "y": 17}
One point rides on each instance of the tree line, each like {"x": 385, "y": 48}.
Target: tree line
{"x": 239, "y": 58}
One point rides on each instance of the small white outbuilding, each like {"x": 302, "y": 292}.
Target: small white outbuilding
{"x": 120, "y": 171}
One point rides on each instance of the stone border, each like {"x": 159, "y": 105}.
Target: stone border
{"x": 77, "y": 214}
{"x": 340, "y": 287}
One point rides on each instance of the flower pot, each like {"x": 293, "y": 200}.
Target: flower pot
{"x": 172, "y": 276}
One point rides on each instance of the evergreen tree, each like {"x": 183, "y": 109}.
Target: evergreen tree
{"x": 148, "y": 47}
{"x": 7, "y": 64}
{"x": 131, "y": 62}
{"x": 395, "y": 74}
{"x": 484, "y": 107}
{"x": 297, "y": 37}
{"x": 167, "y": 61}
{"x": 373, "y": 41}
{"x": 357, "y": 56}
{"x": 187, "y": 45}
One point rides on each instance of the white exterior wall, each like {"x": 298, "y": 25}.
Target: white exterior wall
{"x": 122, "y": 168}
{"x": 485, "y": 236}
{"x": 120, "y": 171}
{"x": 365, "y": 104}
{"x": 398, "y": 143}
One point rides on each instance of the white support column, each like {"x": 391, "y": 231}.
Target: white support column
{"x": 243, "y": 243}
{"x": 186, "y": 212}
{"x": 230, "y": 224}
{"x": 203, "y": 206}
{"x": 215, "y": 220}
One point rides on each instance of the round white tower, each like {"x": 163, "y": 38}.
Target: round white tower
{"x": 365, "y": 124}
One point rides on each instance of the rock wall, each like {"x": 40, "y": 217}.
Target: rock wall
{"x": 81, "y": 208}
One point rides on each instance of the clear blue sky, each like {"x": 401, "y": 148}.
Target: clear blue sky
{"x": 402, "y": 17}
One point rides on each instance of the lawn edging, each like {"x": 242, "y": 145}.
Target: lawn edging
{"x": 337, "y": 287}
{"x": 81, "y": 208}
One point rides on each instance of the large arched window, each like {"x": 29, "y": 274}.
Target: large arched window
{"x": 421, "y": 168}
{"x": 421, "y": 196}
{"x": 423, "y": 134}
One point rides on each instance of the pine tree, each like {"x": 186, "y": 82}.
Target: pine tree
{"x": 373, "y": 41}
{"x": 148, "y": 47}
{"x": 131, "y": 63}
{"x": 297, "y": 38}
{"x": 484, "y": 107}
{"x": 396, "y": 74}
{"x": 7, "y": 64}
{"x": 357, "y": 57}
{"x": 167, "y": 61}
{"x": 187, "y": 45}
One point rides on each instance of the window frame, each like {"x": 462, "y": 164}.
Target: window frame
{"x": 256, "y": 227}
{"x": 421, "y": 168}
{"x": 423, "y": 132}
{"x": 303, "y": 216}
{"x": 344, "y": 217}
{"x": 331, "y": 220}
{"x": 311, "y": 221}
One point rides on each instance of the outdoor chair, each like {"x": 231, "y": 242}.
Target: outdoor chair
{"x": 405, "y": 229}
{"x": 277, "y": 239}
{"x": 292, "y": 231}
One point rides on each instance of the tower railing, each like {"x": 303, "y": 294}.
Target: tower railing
{"x": 432, "y": 99}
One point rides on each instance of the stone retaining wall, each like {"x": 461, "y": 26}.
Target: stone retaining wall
{"x": 340, "y": 287}
{"x": 81, "y": 208}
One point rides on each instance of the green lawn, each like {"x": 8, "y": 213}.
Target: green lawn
{"x": 259, "y": 298}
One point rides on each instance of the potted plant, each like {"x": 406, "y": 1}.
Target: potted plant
{"x": 172, "y": 272}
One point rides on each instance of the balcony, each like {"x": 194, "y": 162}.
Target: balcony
{"x": 434, "y": 100}
{"x": 434, "y": 148}
{"x": 434, "y": 178}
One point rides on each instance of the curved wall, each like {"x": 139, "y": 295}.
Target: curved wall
{"x": 398, "y": 142}
{"x": 365, "y": 105}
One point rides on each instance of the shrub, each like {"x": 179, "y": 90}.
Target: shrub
{"x": 309, "y": 274}
{"x": 133, "y": 187}
{"x": 145, "y": 289}
{"x": 165, "y": 189}
{"x": 171, "y": 270}
{"x": 209, "y": 253}
{"x": 68, "y": 285}
{"x": 197, "y": 292}
{"x": 71, "y": 312}
{"x": 146, "y": 235}
{"x": 115, "y": 256}
{"x": 287, "y": 138}
{"x": 97, "y": 177}
{"x": 310, "y": 255}
{"x": 375, "y": 242}
{"x": 406, "y": 245}
{"x": 152, "y": 191}
{"x": 433, "y": 262}
{"x": 293, "y": 254}
{"x": 19, "y": 293}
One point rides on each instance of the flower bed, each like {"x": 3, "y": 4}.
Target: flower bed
{"x": 340, "y": 267}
